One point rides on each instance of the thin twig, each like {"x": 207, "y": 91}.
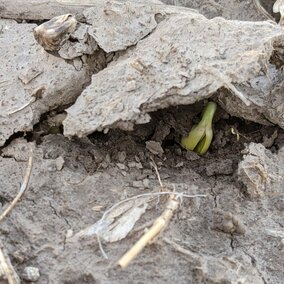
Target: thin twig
{"x": 22, "y": 189}
{"x": 180, "y": 249}
{"x": 238, "y": 93}
{"x": 154, "y": 165}
{"x": 159, "y": 225}
{"x": 157, "y": 172}
{"x": 7, "y": 268}
{"x": 101, "y": 247}
{"x": 23, "y": 107}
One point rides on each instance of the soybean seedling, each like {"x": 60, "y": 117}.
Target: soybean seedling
{"x": 201, "y": 134}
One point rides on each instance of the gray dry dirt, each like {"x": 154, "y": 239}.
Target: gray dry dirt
{"x": 233, "y": 235}
{"x": 227, "y": 237}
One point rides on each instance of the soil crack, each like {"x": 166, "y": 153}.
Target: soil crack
{"x": 254, "y": 263}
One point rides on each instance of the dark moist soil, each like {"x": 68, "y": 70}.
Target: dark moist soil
{"x": 71, "y": 179}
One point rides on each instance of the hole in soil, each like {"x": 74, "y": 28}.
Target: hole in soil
{"x": 167, "y": 126}
{"x": 50, "y": 123}
{"x": 72, "y": 39}
{"x": 11, "y": 138}
{"x": 37, "y": 22}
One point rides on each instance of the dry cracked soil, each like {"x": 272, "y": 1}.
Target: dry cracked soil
{"x": 232, "y": 234}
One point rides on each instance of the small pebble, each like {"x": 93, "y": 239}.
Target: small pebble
{"x": 139, "y": 166}
{"x": 228, "y": 223}
{"x": 179, "y": 165}
{"x": 138, "y": 184}
{"x": 131, "y": 86}
{"x": 69, "y": 234}
{"x": 146, "y": 183}
{"x": 78, "y": 64}
{"x": 31, "y": 274}
{"x": 59, "y": 162}
{"x": 269, "y": 141}
{"x": 147, "y": 172}
{"x": 121, "y": 156}
{"x": 154, "y": 147}
{"x": 107, "y": 158}
{"x": 135, "y": 165}
{"x": 51, "y": 166}
{"x": 124, "y": 173}
{"x": 178, "y": 151}
{"x": 132, "y": 164}
{"x": 104, "y": 165}
{"x": 141, "y": 156}
{"x": 121, "y": 166}
{"x": 141, "y": 176}
{"x": 192, "y": 156}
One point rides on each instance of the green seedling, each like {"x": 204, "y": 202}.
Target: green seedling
{"x": 201, "y": 134}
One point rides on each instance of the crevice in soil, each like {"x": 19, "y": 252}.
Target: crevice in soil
{"x": 232, "y": 242}
{"x": 254, "y": 263}
{"x": 54, "y": 210}
{"x": 214, "y": 195}
{"x": 167, "y": 126}
{"x": 11, "y": 138}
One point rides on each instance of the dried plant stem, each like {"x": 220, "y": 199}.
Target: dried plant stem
{"x": 7, "y": 268}
{"x": 157, "y": 172}
{"x": 21, "y": 191}
{"x": 159, "y": 225}
{"x": 23, "y": 107}
{"x": 237, "y": 93}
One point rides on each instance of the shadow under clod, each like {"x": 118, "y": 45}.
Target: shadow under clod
{"x": 162, "y": 135}
{"x": 160, "y": 138}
